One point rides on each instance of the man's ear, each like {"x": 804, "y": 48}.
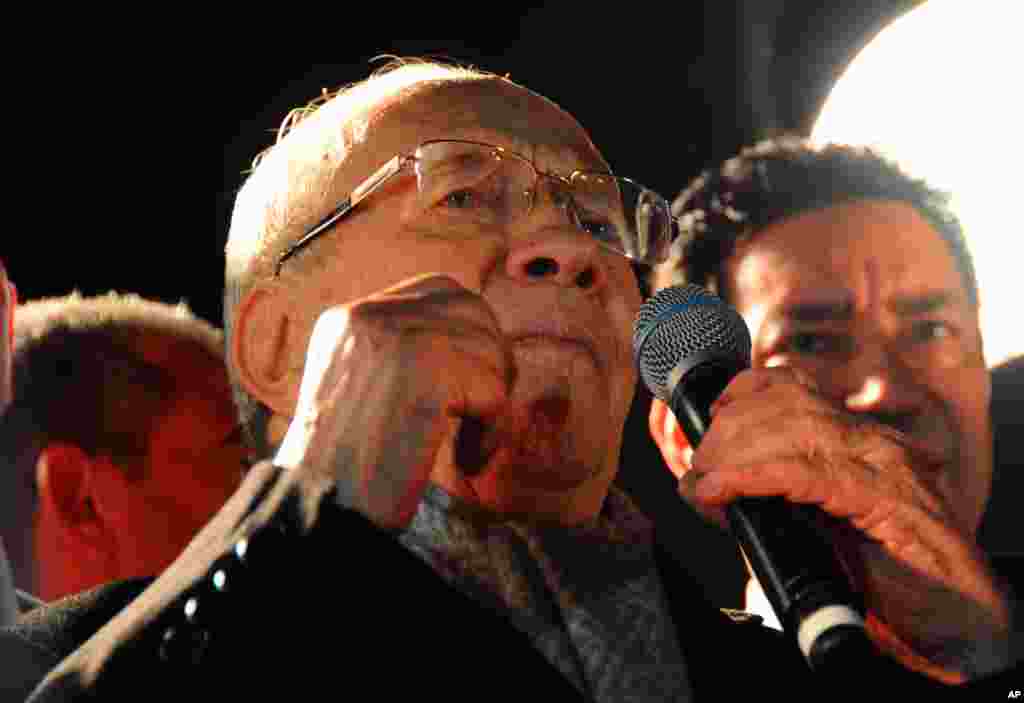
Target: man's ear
{"x": 260, "y": 348}
{"x": 670, "y": 439}
{"x": 64, "y": 481}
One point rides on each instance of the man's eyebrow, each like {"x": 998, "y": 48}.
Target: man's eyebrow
{"x": 903, "y": 305}
{"x": 818, "y": 311}
{"x": 921, "y": 303}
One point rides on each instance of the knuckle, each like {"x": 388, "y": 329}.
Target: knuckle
{"x": 373, "y": 322}
{"x": 789, "y": 376}
{"x": 476, "y": 309}
{"x": 432, "y": 289}
{"x": 424, "y": 284}
{"x": 415, "y": 346}
{"x": 332, "y": 322}
{"x": 367, "y": 310}
{"x": 436, "y": 300}
{"x": 427, "y": 406}
{"x": 436, "y": 283}
{"x": 747, "y": 378}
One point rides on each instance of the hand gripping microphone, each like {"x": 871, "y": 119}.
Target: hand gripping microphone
{"x": 688, "y": 345}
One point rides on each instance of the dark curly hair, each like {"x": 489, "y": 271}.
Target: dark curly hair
{"x": 781, "y": 177}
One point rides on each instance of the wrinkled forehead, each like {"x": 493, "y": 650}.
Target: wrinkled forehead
{"x": 494, "y": 111}
{"x": 846, "y": 247}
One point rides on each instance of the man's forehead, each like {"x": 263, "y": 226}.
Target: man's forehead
{"x": 843, "y": 233}
{"x": 832, "y": 253}
{"x": 489, "y": 110}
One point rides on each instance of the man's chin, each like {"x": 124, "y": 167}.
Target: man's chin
{"x": 550, "y": 450}
{"x": 542, "y": 479}
{"x": 537, "y": 471}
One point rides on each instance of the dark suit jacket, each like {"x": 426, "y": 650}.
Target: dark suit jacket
{"x": 284, "y": 594}
{"x": 47, "y": 633}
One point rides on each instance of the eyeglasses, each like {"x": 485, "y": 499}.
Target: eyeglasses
{"x": 462, "y": 183}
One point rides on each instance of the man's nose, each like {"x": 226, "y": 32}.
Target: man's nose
{"x": 565, "y": 259}
{"x": 554, "y": 249}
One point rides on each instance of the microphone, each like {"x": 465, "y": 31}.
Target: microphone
{"x": 689, "y": 344}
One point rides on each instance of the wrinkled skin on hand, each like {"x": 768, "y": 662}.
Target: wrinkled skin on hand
{"x": 773, "y": 434}
{"x": 410, "y": 357}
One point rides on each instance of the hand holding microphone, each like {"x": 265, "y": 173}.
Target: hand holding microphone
{"x": 777, "y": 453}
{"x": 689, "y": 346}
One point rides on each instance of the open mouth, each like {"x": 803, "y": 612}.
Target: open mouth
{"x": 477, "y": 440}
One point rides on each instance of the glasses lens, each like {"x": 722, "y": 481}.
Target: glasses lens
{"x": 476, "y": 184}
{"x": 461, "y": 182}
{"x": 623, "y": 216}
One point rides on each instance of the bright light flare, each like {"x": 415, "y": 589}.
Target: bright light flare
{"x": 939, "y": 91}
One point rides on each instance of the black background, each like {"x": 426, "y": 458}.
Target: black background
{"x": 664, "y": 89}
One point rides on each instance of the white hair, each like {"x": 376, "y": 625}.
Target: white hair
{"x": 290, "y": 187}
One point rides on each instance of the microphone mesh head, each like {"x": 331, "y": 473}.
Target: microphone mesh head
{"x": 682, "y": 321}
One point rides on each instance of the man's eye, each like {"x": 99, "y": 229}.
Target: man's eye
{"x": 462, "y": 199}
{"x": 814, "y": 343}
{"x": 929, "y": 330}
{"x": 600, "y": 230}
{"x": 480, "y": 204}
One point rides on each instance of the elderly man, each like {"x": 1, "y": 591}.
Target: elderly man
{"x": 429, "y": 310}
{"x": 871, "y": 388}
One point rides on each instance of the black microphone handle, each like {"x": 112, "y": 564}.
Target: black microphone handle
{"x": 795, "y": 563}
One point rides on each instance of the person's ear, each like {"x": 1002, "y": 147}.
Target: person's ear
{"x": 261, "y": 348}
{"x": 64, "y": 482}
{"x": 670, "y": 439}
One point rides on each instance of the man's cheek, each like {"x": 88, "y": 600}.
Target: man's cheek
{"x": 623, "y": 304}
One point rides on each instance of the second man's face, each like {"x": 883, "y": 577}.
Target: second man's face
{"x": 867, "y": 298}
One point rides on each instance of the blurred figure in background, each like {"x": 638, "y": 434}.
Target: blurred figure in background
{"x": 1000, "y": 533}
{"x": 120, "y": 443}
{"x": 8, "y": 600}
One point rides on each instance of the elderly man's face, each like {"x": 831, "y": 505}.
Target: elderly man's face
{"x": 571, "y": 342}
{"x": 7, "y": 303}
{"x": 866, "y": 297}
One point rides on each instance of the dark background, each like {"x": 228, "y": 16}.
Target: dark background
{"x": 664, "y": 90}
